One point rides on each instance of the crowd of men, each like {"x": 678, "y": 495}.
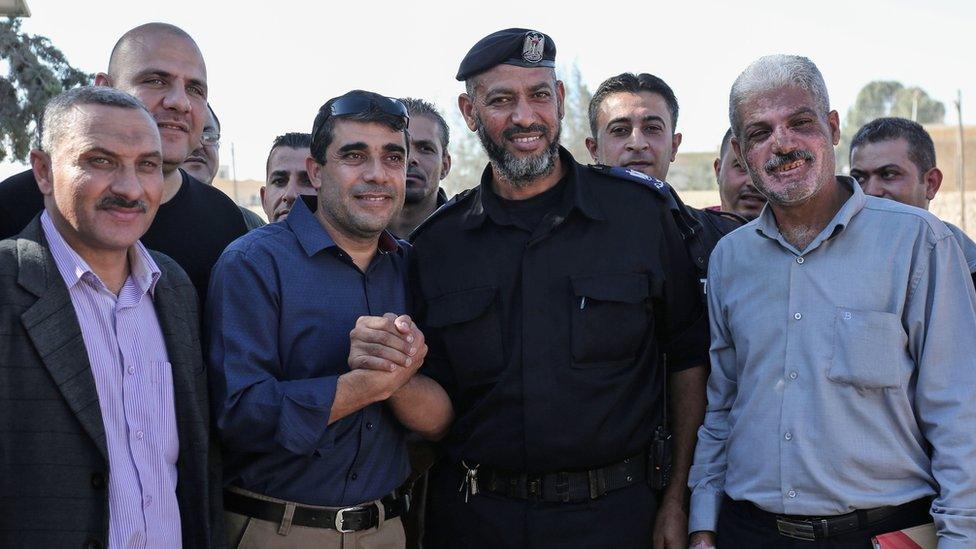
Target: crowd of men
{"x": 596, "y": 363}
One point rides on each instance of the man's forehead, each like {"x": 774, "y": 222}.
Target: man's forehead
{"x": 513, "y": 77}
{"x": 94, "y": 124}
{"x": 370, "y": 133}
{"x": 782, "y": 100}
{"x": 868, "y": 156}
{"x": 162, "y": 52}
{"x": 289, "y": 158}
{"x": 633, "y": 105}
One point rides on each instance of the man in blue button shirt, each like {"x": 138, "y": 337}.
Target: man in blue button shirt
{"x": 311, "y": 414}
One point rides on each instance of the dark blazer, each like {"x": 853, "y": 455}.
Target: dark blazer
{"x": 53, "y": 453}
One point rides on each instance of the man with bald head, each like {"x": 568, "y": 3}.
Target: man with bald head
{"x": 161, "y": 65}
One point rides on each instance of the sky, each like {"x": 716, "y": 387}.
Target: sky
{"x": 272, "y": 64}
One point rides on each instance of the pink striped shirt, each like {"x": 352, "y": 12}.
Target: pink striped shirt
{"x": 135, "y": 393}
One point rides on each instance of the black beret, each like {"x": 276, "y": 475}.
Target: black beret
{"x": 519, "y": 47}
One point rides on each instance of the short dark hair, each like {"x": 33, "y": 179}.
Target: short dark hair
{"x": 214, "y": 115}
{"x": 921, "y": 150}
{"x": 324, "y": 126}
{"x": 629, "y": 82}
{"x": 726, "y": 142}
{"x": 419, "y": 107}
{"x": 292, "y": 140}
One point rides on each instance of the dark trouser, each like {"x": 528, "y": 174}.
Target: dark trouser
{"x": 620, "y": 519}
{"x": 742, "y": 524}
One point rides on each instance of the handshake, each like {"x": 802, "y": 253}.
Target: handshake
{"x": 385, "y": 352}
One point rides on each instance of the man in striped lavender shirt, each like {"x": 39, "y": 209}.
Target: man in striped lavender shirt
{"x": 103, "y": 436}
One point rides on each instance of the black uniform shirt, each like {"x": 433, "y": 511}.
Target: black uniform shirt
{"x": 546, "y": 340}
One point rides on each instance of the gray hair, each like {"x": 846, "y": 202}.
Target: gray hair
{"x": 58, "y": 115}
{"x": 777, "y": 71}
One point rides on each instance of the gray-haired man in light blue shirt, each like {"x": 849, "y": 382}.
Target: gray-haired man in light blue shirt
{"x": 840, "y": 403}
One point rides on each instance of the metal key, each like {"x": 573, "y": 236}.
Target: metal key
{"x": 469, "y": 485}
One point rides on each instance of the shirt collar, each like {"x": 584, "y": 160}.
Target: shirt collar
{"x": 314, "y": 238}
{"x": 143, "y": 270}
{"x": 766, "y": 222}
{"x": 576, "y": 195}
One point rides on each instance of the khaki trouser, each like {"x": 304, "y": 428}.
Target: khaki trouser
{"x": 249, "y": 532}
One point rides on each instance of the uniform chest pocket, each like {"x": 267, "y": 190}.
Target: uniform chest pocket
{"x": 869, "y": 349}
{"x": 611, "y": 317}
{"x": 470, "y": 326}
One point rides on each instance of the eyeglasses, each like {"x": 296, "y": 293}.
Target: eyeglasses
{"x": 210, "y": 137}
{"x": 355, "y": 103}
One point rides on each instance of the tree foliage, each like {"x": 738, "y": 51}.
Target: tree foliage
{"x": 887, "y": 98}
{"x": 36, "y": 72}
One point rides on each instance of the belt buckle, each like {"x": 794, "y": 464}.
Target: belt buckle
{"x": 339, "y": 520}
{"x": 796, "y": 530}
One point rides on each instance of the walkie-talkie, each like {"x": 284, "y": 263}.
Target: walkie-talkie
{"x": 659, "y": 454}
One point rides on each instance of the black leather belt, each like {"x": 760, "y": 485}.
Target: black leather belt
{"x": 567, "y": 486}
{"x": 814, "y": 528}
{"x": 346, "y": 519}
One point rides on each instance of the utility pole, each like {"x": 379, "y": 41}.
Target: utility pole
{"x": 233, "y": 172}
{"x": 961, "y": 162}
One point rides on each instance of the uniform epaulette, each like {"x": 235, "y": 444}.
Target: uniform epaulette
{"x": 454, "y": 201}
{"x": 656, "y": 185}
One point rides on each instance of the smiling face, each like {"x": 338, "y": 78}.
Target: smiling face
{"x": 634, "y": 131}
{"x": 103, "y": 180}
{"x": 787, "y": 144}
{"x": 885, "y": 169}
{"x": 287, "y": 179}
{"x": 167, "y": 73}
{"x": 361, "y": 185}
{"x": 517, "y": 112}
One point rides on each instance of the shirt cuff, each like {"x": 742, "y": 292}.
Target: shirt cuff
{"x": 304, "y": 418}
{"x": 705, "y": 505}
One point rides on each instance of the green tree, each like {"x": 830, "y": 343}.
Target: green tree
{"x": 886, "y": 98}
{"x": 469, "y": 159}
{"x": 36, "y": 72}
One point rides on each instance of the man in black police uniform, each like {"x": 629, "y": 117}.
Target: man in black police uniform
{"x": 548, "y": 295}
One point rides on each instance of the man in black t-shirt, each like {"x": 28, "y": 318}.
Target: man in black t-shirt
{"x": 161, "y": 65}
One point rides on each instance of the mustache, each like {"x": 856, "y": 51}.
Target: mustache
{"x": 781, "y": 160}
{"x": 367, "y": 188}
{"x": 119, "y": 202}
{"x": 515, "y": 131}
{"x": 416, "y": 174}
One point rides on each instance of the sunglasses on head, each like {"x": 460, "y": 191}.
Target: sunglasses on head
{"x": 354, "y": 103}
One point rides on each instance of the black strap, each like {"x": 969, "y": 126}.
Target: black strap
{"x": 565, "y": 486}
{"x": 353, "y": 519}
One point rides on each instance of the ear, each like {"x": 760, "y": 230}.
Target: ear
{"x": 675, "y": 143}
{"x": 591, "y": 145}
{"x": 445, "y": 164}
{"x": 466, "y": 105}
{"x": 103, "y": 79}
{"x": 933, "y": 180}
{"x": 262, "y": 190}
{"x": 833, "y": 120}
{"x": 314, "y": 170}
{"x": 41, "y": 166}
{"x": 561, "y": 96}
{"x": 717, "y": 166}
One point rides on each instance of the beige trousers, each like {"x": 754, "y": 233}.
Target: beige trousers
{"x": 248, "y": 532}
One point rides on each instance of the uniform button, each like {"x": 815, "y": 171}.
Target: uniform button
{"x": 793, "y": 375}
{"x": 799, "y": 260}
{"x": 140, "y": 434}
{"x": 788, "y": 436}
{"x": 791, "y": 493}
{"x": 98, "y": 481}
{"x": 354, "y": 476}
{"x": 132, "y": 370}
{"x": 797, "y": 316}
{"x": 369, "y": 424}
